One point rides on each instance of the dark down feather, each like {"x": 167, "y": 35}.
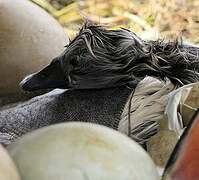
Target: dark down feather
{"x": 100, "y": 58}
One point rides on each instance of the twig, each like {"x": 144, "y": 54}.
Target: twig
{"x": 138, "y": 20}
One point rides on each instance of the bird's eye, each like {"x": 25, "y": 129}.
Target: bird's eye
{"x": 74, "y": 61}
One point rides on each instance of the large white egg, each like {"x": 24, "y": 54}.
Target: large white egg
{"x": 80, "y": 151}
{"x": 29, "y": 39}
{"x": 8, "y": 170}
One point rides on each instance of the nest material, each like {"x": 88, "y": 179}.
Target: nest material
{"x": 147, "y": 109}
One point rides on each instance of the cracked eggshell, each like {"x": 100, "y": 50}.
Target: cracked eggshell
{"x": 8, "y": 170}
{"x": 29, "y": 39}
{"x": 80, "y": 151}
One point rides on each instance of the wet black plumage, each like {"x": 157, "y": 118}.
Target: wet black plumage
{"x": 100, "y": 58}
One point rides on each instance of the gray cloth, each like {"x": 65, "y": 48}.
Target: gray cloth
{"x": 97, "y": 106}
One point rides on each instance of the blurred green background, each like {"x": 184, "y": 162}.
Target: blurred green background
{"x": 167, "y": 19}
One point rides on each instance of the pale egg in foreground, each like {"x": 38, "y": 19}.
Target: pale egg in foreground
{"x": 8, "y": 170}
{"x": 80, "y": 151}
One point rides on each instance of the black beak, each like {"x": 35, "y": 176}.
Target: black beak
{"x": 51, "y": 76}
